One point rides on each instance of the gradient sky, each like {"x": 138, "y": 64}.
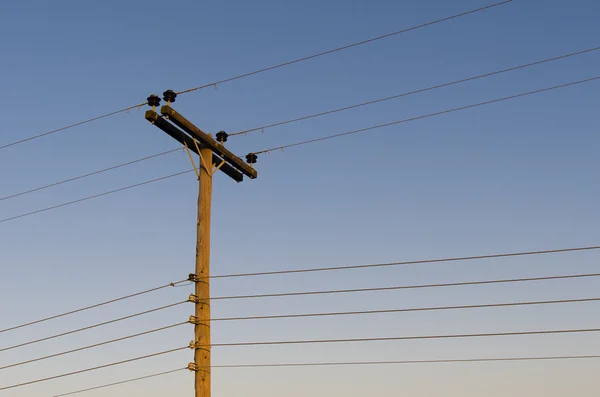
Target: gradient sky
{"x": 513, "y": 176}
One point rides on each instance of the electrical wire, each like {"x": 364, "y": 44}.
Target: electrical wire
{"x": 92, "y": 326}
{"x": 321, "y": 114}
{"x": 401, "y": 287}
{"x": 121, "y": 382}
{"x": 441, "y": 361}
{"x": 345, "y": 47}
{"x": 95, "y": 345}
{"x": 94, "y": 306}
{"x": 255, "y": 72}
{"x": 302, "y": 315}
{"x": 89, "y": 174}
{"x": 415, "y": 262}
{"x": 354, "y": 363}
{"x": 428, "y": 115}
{"x": 406, "y": 310}
{"x": 93, "y": 368}
{"x": 408, "y": 93}
{"x": 71, "y": 126}
{"x": 398, "y": 338}
{"x": 95, "y": 196}
{"x": 281, "y": 365}
{"x": 312, "y": 141}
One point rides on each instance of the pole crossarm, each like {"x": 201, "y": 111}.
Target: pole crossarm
{"x": 190, "y": 143}
{"x": 207, "y": 141}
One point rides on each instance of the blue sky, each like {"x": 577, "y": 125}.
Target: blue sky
{"x": 512, "y": 176}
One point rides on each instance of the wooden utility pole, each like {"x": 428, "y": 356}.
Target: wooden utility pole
{"x": 213, "y": 157}
{"x": 202, "y": 326}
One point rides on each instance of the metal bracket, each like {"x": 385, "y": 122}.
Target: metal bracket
{"x": 192, "y": 160}
{"x": 196, "y": 299}
{"x": 196, "y": 321}
{"x": 218, "y": 167}
{"x": 194, "y": 368}
{"x": 194, "y": 345}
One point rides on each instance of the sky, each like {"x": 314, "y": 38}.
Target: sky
{"x": 513, "y": 176}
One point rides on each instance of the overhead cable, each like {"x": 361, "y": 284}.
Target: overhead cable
{"x": 255, "y": 72}
{"x": 94, "y": 345}
{"x": 91, "y": 326}
{"x": 399, "y": 338}
{"x": 359, "y": 43}
{"x": 122, "y": 382}
{"x": 95, "y": 196}
{"x": 401, "y": 287}
{"x": 352, "y": 363}
{"x": 429, "y": 115}
{"x": 303, "y": 315}
{"x": 92, "y": 368}
{"x": 414, "y": 262}
{"x": 114, "y": 167}
{"x": 41, "y": 320}
{"x": 309, "y": 141}
{"x": 406, "y": 310}
{"x": 440, "y": 361}
{"x": 421, "y": 90}
{"x": 323, "y": 113}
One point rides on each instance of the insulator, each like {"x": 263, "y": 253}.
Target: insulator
{"x": 153, "y": 100}
{"x": 169, "y": 96}
{"x": 251, "y": 158}
{"x": 222, "y": 136}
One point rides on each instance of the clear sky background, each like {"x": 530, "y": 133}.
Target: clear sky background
{"x": 513, "y": 176}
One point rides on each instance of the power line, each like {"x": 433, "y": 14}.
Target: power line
{"x": 92, "y": 326}
{"x": 404, "y": 94}
{"x": 121, "y": 382}
{"x": 365, "y": 312}
{"x": 406, "y": 310}
{"x": 92, "y": 368}
{"x": 415, "y": 262}
{"x": 311, "y": 141}
{"x": 215, "y": 83}
{"x": 89, "y": 174}
{"x": 352, "y": 363}
{"x": 398, "y": 338}
{"x": 93, "y": 306}
{"x": 94, "y": 345}
{"x": 427, "y": 115}
{"x": 401, "y": 287}
{"x": 301, "y": 315}
{"x": 441, "y": 361}
{"x": 344, "y": 47}
{"x": 318, "y": 115}
{"x": 94, "y": 196}
{"x": 71, "y": 126}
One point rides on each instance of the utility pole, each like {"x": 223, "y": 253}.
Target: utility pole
{"x": 213, "y": 157}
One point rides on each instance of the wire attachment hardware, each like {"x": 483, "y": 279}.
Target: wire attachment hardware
{"x": 194, "y": 320}
{"x": 222, "y": 137}
{"x": 153, "y": 100}
{"x": 192, "y": 367}
{"x": 169, "y": 96}
{"x": 251, "y": 158}
{"x": 193, "y": 278}
{"x": 194, "y": 299}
